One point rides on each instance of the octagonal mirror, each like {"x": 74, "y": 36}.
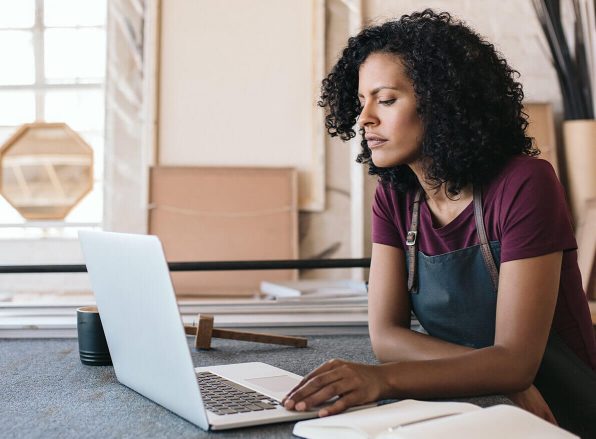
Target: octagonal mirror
{"x": 45, "y": 169}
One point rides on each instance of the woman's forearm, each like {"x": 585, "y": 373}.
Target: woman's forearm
{"x": 491, "y": 370}
{"x": 401, "y": 344}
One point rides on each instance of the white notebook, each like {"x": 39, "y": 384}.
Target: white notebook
{"x": 410, "y": 419}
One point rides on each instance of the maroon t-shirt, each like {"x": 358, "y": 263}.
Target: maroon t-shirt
{"x": 525, "y": 210}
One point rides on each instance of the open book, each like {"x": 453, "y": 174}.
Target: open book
{"x": 410, "y": 419}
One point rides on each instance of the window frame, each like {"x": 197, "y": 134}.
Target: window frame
{"x": 50, "y": 242}
{"x": 124, "y": 210}
{"x": 40, "y": 87}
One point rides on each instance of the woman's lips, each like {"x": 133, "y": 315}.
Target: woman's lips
{"x": 375, "y": 143}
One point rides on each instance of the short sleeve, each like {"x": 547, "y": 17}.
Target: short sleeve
{"x": 533, "y": 213}
{"x": 384, "y": 228}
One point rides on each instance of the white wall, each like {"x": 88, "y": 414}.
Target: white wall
{"x": 238, "y": 87}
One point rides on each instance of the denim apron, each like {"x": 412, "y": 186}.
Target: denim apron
{"x": 454, "y": 297}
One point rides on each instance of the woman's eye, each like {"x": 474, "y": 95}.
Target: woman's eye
{"x": 387, "y": 102}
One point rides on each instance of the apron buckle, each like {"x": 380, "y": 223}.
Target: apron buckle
{"x": 411, "y": 238}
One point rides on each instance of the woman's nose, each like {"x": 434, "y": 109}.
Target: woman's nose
{"x": 367, "y": 117}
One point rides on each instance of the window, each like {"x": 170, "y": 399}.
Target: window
{"x": 53, "y": 69}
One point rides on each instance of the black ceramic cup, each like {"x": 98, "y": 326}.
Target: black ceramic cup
{"x": 93, "y": 348}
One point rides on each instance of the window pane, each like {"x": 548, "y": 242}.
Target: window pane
{"x": 5, "y": 133}
{"x": 16, "y": 52}
{"x": 17, "y": 13}
{"x": 75, "y": 54}
{"x": 80, "y": 109}
{"x": 90, "y": 209}
{"x": 17, "y": 107}
{"x": 75, "y": 12}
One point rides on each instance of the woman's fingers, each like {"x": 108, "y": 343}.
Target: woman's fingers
{"x": 325, "y": 380}
{"x": 345, "y": 402}
{"x": 532, "y": 401}
{"x": 324, "y": 394}
{"x": 353, "y": 383}
{"x": 327, "y": 366}
{"x": 548, "y": 415}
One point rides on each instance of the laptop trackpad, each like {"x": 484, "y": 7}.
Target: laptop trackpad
{"x": 280, "y": 383}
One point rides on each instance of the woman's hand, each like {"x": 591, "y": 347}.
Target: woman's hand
{"x": 352, "y": 383}
{"x": 532, "y": 401}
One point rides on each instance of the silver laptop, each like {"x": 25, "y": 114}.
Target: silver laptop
{"x": 145, "y": 334}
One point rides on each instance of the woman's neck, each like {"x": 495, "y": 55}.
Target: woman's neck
{"x": 444, "y": 208}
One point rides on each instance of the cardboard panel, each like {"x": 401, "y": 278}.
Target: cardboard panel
{"x": 223, "y": 214}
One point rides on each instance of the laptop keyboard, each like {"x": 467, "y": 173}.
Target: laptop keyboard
{"x": 224, "y": 397}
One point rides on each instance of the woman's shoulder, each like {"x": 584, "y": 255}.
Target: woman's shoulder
{"x": 528, "y": 210}
{"x": 389, "y": 215}
{"x": 392, "y": 203}
{"x": 393, "y": 199}
{"x": 524, "y": 167}
{"x": 525, "y": 184}
{"x": 524, "y": 172}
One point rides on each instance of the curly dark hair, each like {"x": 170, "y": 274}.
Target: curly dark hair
{"x": 466, "y": 96}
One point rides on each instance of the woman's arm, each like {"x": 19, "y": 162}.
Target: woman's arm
{"x": 525, "y": 306}
{"x": 389, "y": 313}
{"x": 392, "y": 340}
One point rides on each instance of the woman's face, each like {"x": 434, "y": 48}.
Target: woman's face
{"x": 393, "y": 130}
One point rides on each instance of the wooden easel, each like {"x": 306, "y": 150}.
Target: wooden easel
{"x": 204, "y": 332}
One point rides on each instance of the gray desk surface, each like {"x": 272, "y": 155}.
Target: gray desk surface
{"x": 46, "y": 392}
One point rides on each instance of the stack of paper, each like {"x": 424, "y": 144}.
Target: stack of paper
{"x": 311, "y": 289}
{"x": 284, "y": 316}
{"x": 29, "y": 319}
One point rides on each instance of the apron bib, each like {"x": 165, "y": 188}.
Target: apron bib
{"x": 454, "y": 297}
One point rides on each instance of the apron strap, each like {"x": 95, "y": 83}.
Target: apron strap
{"x": 489, "y": 261}
{"x": 412, "y": 243}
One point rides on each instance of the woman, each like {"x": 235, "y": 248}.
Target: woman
{"x": 470, "y": 231}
